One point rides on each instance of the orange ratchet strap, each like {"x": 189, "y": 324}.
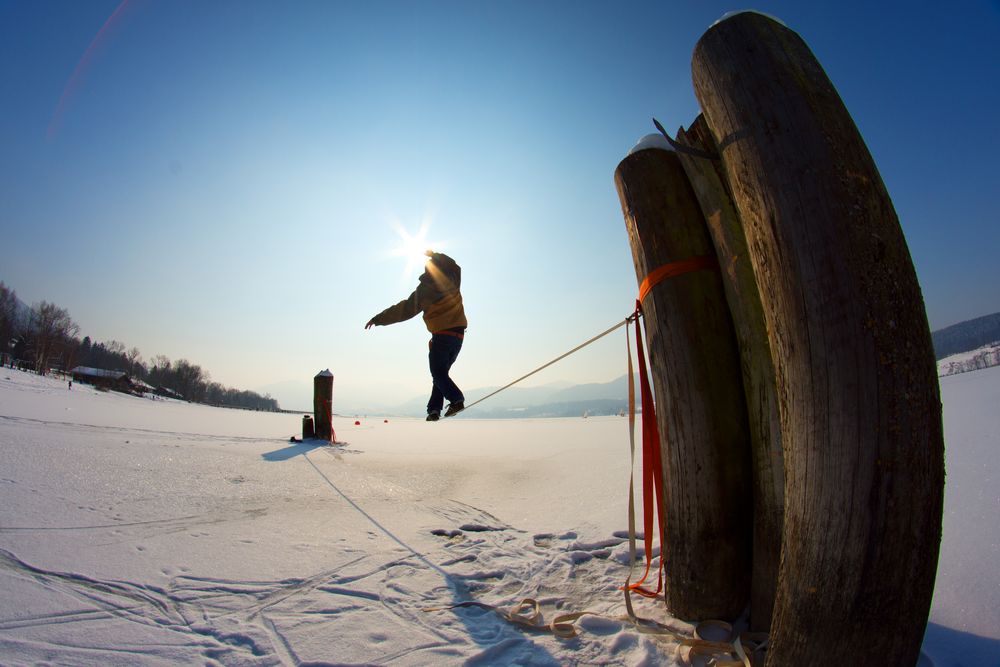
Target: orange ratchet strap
{"x": 658, "y": 275}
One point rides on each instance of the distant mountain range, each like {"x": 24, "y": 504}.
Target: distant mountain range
{"x": 966, "y": 336}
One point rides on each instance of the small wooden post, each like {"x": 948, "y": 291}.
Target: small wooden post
{"x": 323, "y": 405}
{"x": 308, "y": 430}
{"x": 699, "y": 394}
{"x": 857, "y": 389}
{"x": 743, "y": 295}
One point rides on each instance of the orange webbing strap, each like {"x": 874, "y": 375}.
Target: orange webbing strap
{"x": 652, "y": 473}
{"x": 658, "y": 275}
{"x": 652, "y": 461}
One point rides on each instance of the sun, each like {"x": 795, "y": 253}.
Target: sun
{"x": 413, "y": 247}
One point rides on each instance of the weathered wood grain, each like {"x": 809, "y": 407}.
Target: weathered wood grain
{"x": 856, "y": 384}
{"x": 743, "y": 296}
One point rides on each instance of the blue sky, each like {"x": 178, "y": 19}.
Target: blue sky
{"x": 223, "y": 181}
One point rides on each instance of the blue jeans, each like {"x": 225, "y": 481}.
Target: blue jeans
{"x": 443, "y": 353}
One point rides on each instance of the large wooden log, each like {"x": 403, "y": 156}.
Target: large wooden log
{"x": 699, "y": 396}
{"x": 857, "y": 389}
{"x": 743, "y": 296}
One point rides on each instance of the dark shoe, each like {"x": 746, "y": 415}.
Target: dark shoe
{"x": 433, "y": 416}
{"x": 454, "y": 408}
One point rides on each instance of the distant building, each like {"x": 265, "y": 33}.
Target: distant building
{"x": 104, "y": 379}
{"x": 168, "y": 393}
{"x": 143, "y": 387}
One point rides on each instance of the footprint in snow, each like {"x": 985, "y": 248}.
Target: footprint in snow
{"x": 479, "y": 528}
{"x": 623, "y": 534}
{"x": 454, "y": 535}
{"x": 467, "y": 558}
{"x": 543, "y": 539}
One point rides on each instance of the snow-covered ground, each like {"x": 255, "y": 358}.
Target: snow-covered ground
{"x": 157, "y": 532}
{"x": 986, "y": 356}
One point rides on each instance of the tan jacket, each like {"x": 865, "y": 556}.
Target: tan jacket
{"x": 438, "y": 296}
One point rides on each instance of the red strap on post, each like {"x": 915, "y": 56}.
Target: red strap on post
{"x": 658, "y": 275}
{"x": 652, "y": 471}
{"x": 652, "y": 460}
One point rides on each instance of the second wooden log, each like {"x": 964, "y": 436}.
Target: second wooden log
{"x": 710, "y": 184}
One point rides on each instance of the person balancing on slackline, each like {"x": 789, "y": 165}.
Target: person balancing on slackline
{"x": 438, "y": 297}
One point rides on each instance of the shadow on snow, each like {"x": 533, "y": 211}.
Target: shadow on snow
{"x": 292, "y": 451}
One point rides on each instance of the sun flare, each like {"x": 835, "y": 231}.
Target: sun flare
{"x": 413, "y": 247}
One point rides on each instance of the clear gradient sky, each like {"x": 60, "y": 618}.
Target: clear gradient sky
{"x": 225, "y": 180}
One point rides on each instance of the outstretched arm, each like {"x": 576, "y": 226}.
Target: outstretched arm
{"x": 402, "y": 311}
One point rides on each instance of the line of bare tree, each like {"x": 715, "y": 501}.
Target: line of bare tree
{"x": 45, "y": 337}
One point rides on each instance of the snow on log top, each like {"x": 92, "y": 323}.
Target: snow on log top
{"x": 654, "y": 140}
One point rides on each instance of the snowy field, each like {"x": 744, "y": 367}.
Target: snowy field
{"x": 146, "y": 532}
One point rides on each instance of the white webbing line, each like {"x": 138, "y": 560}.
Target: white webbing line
{"x": 559, "y": 358}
